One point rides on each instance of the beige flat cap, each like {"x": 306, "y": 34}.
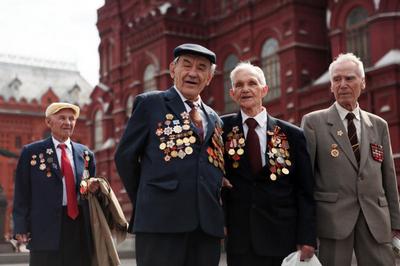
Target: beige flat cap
{"x": 55, "y": 107}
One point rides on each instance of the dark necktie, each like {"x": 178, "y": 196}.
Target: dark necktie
{"x": 352, "y": 133}
{"x": 196, "y": 118}
{"x": 253, "y": 145}
{"x": 72, "y": 204}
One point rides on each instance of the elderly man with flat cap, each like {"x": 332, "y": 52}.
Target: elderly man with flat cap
{"x": 49, "y": 215}
{"x": 170, "y": 160}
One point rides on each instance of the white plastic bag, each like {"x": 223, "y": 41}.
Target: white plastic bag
{"x": 294, "y": 260}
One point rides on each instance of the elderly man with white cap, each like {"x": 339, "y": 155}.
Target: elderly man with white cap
{"x": 49, "y": 215}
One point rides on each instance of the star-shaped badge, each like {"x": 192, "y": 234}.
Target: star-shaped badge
{"x": 340, "y": 133}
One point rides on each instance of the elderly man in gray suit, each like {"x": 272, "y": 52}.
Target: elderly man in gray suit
{"x": 356, "y": 189}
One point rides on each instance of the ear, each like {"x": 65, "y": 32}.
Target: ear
{"x": 265, "y": 90}
{"x": 47, "y": 121}
{"x": 172, "y": 70}
{"x": 232, "y": 93}
{"x": 209, "y": 78}
{"x": 363, "y": 84}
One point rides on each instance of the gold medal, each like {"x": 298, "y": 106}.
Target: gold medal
{"x": 177, "y": 129}
{"x": 185, "y": 140}
{"x": 210, "y": 159}
{"x": 42, "y": 166}
{"x": 215, "y": 163}
{"x": 240, "y": 151}
{"x": 33, "y": 162}
{"x": 288, "y": 162}
{"x": 174, "y": 154}
{"x": 189, "y": 150}
{"x": 274, "y": 150}
{"x": 235, "y": 164}
{"x": 273, "y": 177}
{"x": 186, "y": 127}
{"x": 241, "y": 141}
{"x": 231, "y": 152}
{"x": 335, "y": 153}
{"x": 179, "y": 142}
{"x": 192, "y": 139}
{"x": 169, "y": 116}
{"x": 271, "y": 162}
{"x": 285, "y": 171}
{"x": 163, "y": 146}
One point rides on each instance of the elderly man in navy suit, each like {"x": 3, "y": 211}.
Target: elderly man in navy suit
{"x": 270, "y": 209}
{"x": 170, "y": 160}
{"x": 49, "y": 215}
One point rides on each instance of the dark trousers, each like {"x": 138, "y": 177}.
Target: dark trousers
{"x": 251, "y": 259}
{"x": 73, "y": 250}
{"x": 177, "y": 249}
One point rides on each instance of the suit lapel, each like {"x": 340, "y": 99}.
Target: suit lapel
{"x": 54, "y": 165}
{"x": 339, "y": 134}
{"x": 211, "y": 121}
{"x": 366, "y": 138}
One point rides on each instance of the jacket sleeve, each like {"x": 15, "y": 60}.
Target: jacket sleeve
{"x": 22, "y": 194}
{"x": 131, "y": 146}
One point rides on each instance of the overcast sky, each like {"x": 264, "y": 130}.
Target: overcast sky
{"x": 63, "y": 30}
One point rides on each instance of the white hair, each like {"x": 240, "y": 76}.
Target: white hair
{"x": 348, "y": 57}
{"x": 213, "y": 66}
{"x": 247, "y": 66}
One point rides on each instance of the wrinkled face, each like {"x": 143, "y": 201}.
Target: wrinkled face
{"x": 61, "y": 124}
{"x": 191, "y": 75}
{"x": 347, "y": 84}
{"x": 247, "y": 90}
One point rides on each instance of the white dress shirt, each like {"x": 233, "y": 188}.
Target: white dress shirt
{"x": 71, "y": 160}
{"x": 357, "y": 120}
{"x": 261, "y": 131}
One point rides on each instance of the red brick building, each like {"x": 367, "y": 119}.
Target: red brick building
{"x": 292, "y": 40}
{"x": 27, "y": 86}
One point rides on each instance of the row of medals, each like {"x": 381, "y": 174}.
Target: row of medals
{"x": 216, "y": 154}
{"x": 278, "y": 157}
{"x": 42, "y": 165}
{"x": 175, "y": 138}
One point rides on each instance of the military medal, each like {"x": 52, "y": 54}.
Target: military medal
{"x": 234, "y": 145}
{"x": 42, "y": 166}
{"x": 339, "y": 133}
{"x": 278, "y": 154}
{"x": 334, "y": 150}
{"x": 33, "y": 160}
{"x": 377, "y": 152}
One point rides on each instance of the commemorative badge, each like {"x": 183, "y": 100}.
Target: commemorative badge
{"x": 176, "y": 137}
{"x": 334, "y": 150}
{"x": 42, "y": 162}
{"x": 234, "y": 145}
{"x": 278, "y": 154}
{"x": 216, "y": 150}
{"x": 339, "y": 133}
{"x": 377, "y": 152}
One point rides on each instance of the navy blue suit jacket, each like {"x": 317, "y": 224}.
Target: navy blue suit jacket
{"x": 179, "y": 195}
{"x": 38, "y": 193}
{"x": 270, "y": 217}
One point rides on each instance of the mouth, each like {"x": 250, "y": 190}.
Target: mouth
{"x": 190, "y": 82}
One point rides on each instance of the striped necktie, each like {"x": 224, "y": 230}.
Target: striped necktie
{"x": 352, "y": 133}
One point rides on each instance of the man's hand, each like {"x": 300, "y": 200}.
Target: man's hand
{"x": 93, "y": 185}
{"x": 226, "y": 183}
{"x": 22, "y": 238}
{"x": 306, "y": 252}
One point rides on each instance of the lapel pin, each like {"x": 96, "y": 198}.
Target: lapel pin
{"x": 340, "y": 133}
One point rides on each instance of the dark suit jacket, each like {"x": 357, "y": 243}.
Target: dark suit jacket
{"x": 38, "y": 197}
{"x": 270, "y": 216}
{"x": 172, "y": 196}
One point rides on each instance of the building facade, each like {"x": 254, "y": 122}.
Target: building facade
{"x": 27, "y": 87}
{"x": 292, "y": 40}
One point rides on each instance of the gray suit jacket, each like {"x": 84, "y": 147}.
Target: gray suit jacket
{"x": 342, "y": 189}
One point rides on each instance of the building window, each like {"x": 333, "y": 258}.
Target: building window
{"x": 18, "y": 142}
{"x": 149, "y": 80}
{"x": 271, "y": 68}
{"x": 129, "y": 105}
{"x": 357, "y": 34}
{"x": 229, "y": 64}
{"x": 98, "y": 129}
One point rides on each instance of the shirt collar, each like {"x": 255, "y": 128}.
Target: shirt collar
{"x": 184, "y": 99}
{"x": 67, "y": 142}
{"x": 261, "y": 117}
{"x": 343, "y": 112}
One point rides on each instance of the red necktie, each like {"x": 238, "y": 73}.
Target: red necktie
{"x": 72, "y": 204}
{"x": 352, "y": 134}
{"x": 196, "y": 118}
{"x": 253, "y": 145}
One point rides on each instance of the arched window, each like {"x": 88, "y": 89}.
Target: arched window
{"x": 357, "y": 34}
{"x": 149, "y": 81}
{"x": 98, "y": 129}
{"x": 129, "y": 105}
{"x": 271, "y": 67}
{"x": 229, "y": 64}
